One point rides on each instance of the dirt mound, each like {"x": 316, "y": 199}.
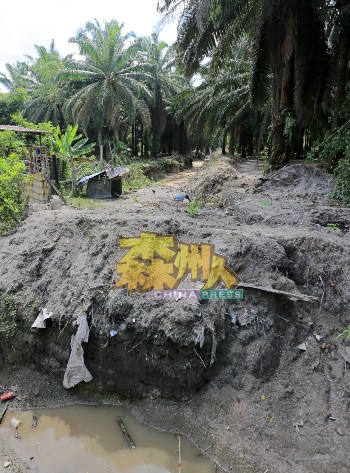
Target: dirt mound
{"x": 238, "y": 363}
{"x": 211, "y": 180}
{"x": 301, "y": 180}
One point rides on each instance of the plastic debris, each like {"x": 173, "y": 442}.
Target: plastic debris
{"x": 7, "y": 464}
{"x": 40, "y": 321}
{"x": 199, "y": 331}
{"x": 233, "y": 317}
{"x": 246, "y": 317}
{"x": 263, "y": 397}
{"x": 296, "y": 425}
{"x": 7, "y": 396}
{"x": 113, "y": 333}
{"x": 318, "y": 337}
{"x": 303, "y": 346}
{"x": 15, "y": 423}
{"x": 76, "y": 370}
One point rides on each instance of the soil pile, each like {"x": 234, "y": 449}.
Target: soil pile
{"x": 301, "y": 180}
{"x": 211, "y": 179}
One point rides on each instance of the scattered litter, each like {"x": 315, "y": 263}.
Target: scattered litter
{"x": 138, "y": 205}
{"x": 7, "y": 396}
{"x": 323, "y": 345}
{"x": 246, "y": 317}
{"x": 318, "y": 337}
{"x": 228, "y": 427}
{"x": 303, "y": 346}
{"x": 76, "y": 370}
{"x": 263, "y": 397}
{"x": 126, "y": 434}
{"x": 296, "y": 425}
{"x": 332, "y": 418}
{"x": 233, "y": 317}
{"x": 7, "y": 464}
{"x": 40, "y": 321}
{"x": 15, "y": 423}
{"x": 200, "y": 336}
{"x": 113, "y": 333}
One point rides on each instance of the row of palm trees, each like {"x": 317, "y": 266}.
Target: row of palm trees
{"x": 271, "y": 74}
{"x": 276, "y": 71}
{"x": 121, "y": 84}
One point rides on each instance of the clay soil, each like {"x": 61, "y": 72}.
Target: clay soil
{"x": 260, "y": 385}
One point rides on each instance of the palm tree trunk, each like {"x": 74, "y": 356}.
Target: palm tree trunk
{"x": 342, "y": 73}
{"x": 281, "y": 153}
{"x": 231, "y": 148}
{"x": 100, "y": 141}
{"x": 223, "y": 148}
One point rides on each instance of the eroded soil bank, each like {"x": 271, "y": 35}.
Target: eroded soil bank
{"x": 229, "y": 375}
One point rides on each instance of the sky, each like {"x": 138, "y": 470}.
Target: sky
{"x": 24, "y": 23}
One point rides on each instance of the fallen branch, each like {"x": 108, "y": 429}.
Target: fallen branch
{"x": 3, "y": 411}
{"x": 126, "y": 434}
{"x": 290, "y": 295}
{"x": 268, "y": 178}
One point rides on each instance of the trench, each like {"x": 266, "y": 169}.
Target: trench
{"x": 87, "y": 439}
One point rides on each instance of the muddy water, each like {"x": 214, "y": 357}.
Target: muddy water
{"x": 87, "y": 439}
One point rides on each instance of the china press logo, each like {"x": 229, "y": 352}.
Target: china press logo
{"x": 156, "y": 263}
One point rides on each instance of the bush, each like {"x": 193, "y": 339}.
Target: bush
{"x": 11, "y": 191}
{"x": 342, "y": 189}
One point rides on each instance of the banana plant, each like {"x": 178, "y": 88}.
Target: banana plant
{"x": 72, "y": 146}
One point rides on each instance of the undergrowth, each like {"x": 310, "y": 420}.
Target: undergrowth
{"x": 8, "y": 315}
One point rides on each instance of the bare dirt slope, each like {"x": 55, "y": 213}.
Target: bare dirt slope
{"x": 252, "y": 399}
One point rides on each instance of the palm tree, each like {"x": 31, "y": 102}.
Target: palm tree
{"x": 108, "y": 82}
{"x": 221, "y": 104}
{"x": 37, "y": 77}
{"x": 164, "y": 82}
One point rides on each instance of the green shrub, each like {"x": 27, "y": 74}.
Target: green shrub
{"x": 137, "y": 177}
{"x": 8, "y": 315}
{"x": 11, "y": 191}
{"x": 342, "y": 173}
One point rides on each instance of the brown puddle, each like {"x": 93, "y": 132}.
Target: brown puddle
{"x": 87, "y": 439}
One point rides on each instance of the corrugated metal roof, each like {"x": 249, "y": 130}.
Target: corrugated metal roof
{"x": 21, "y": 129}
{"x": 111, "y": 174}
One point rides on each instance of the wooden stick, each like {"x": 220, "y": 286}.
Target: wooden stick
{"x": 180, "y": 460}
{"x": 56, "y": 190}
{"x": 289, "y": 295}
{"x": 126, "y": 434}
{"x": 3, "y": 411}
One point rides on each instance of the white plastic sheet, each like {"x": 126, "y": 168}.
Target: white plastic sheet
{"x": 76, "y": 370}
{"x": 40, "y": 321}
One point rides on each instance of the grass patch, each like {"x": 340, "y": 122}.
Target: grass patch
{"x": 84, "y": 203}
{"x": 194, "y": 206}
{"x": 8, "y": 316}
